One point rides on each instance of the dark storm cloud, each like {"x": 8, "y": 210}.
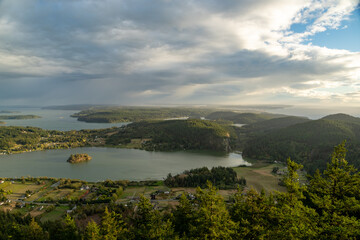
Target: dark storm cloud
{"x": 137, "y": 51}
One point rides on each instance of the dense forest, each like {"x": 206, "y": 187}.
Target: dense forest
{"x": 308, "y": 143}
{"x": 242, "y": 118}
{"x": 327, "y": 207}
{"x": 176, "y": 135}
{"x": 221, "y": 177}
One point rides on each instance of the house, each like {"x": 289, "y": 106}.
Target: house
{"x": 1, "y": 182}
{"x": 84, "y": 187}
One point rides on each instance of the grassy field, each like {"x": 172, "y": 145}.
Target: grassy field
{"x": 42, "y": 192}
{"x": 135, "y": 192}
{"x": 18, "y": 189}
{"x": 57, "y": 194}
{"x": 55, "y": 214}
{"x": 259, "y": 176}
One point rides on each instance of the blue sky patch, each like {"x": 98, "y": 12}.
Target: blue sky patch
{"x": 347, "y": 36}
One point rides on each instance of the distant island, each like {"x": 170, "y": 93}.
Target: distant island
{"x": 76, "y": 107}
{"x": 17, "y": 117}
{"x": 136, "y": 114}
{"x": 2, "y": 122}
{"x": 111, "y": 114}
{"x": 78, "y": 158}
{"x": 6, "y": 111}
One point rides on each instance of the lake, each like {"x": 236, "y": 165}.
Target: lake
{"x": 52, "y": 120}
{"x": 111, "y": 163}
{"x": 107, "y": 163}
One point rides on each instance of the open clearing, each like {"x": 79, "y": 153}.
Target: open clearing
{"x": 259, "y": 177}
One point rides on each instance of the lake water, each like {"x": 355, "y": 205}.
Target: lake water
{"x": 111, "y": 163}
{"x": 107, "y": 163}
{"x": 52, "y": 120}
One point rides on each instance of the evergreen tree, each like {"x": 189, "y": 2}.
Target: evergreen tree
{"x": 112, "y": 226}
{"x": 92, "y": 231}
{"x": 70, "y": 232}
{"x": 148, "y": 223}
{"x": 252, "y": 214}
{"x": 35, "y": 232}
{"x": 290, "y": 217}
{"x": 335, "y": 194}
{"x": 183, "y": 216}
{"x": 212, "y": 219}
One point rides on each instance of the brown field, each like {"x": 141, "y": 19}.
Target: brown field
{"x": 260, "y": 177}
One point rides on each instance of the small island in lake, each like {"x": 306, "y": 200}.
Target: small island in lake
{"x": 2, "y": 122}
{"x": 77, "y": 158}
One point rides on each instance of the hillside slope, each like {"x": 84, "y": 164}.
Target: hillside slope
{"x": 309, "y": 143}
{"x": 176, "y": 135}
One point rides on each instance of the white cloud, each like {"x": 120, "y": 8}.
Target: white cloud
{"x": 217, "y": 51}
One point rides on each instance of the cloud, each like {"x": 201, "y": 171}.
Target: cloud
{"x": 141, "y": 52}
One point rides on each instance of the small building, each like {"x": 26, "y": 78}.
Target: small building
{"x": 84, "y": 187}
{"x": 70, "y": 211}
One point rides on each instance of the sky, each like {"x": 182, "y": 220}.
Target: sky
{"x": 149, "y": 52}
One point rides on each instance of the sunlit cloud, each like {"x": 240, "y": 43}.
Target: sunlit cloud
{"x": 141, "y": 52}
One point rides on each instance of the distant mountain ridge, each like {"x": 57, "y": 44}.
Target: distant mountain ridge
{"x": 242, "y": 118}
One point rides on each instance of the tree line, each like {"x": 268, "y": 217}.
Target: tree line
{"x": 221, "y": 177}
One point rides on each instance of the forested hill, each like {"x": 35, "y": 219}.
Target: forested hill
{"x": 176, "y": 135}
{"x": 342, "y": 117}
{"x": 242, "y": 118}
{"x": 309, "y": 143}
{"x": 273, "y": 124}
